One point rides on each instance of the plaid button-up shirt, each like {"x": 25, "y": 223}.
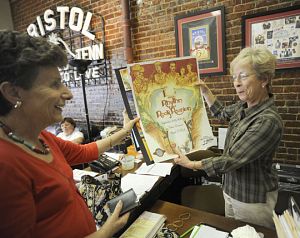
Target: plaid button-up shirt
{"x": 246, "y": 164}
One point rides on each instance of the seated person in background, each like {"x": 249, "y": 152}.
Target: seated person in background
{"x": 70, "y": 132}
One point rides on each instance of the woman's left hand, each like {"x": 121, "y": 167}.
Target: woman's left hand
{"x": 125, "y": 117}
{"x": 183, "y": 160}
{"x": 128, "y": 126}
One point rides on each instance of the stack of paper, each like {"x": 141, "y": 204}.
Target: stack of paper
{"x": 145, "y": 226}
{"x": 286, "y": 226}
{"x": 159, "y": 169}
{"x": 139, "y": 183}
{"x": 207, "y": 231}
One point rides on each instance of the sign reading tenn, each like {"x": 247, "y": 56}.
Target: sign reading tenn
{"x": 75, "y": 19}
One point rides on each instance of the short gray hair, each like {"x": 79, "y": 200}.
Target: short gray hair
{"x": 261, "y": 59}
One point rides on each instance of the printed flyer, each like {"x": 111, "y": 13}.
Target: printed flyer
{"x": 171, "y": 108}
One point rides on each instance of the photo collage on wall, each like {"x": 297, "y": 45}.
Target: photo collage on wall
{"x": 281, "y": 36}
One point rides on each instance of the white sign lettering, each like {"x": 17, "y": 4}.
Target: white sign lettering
{"x": 75, "y": 19}
{"x": 93, "y": 52}
{"x": 77, "y": 22}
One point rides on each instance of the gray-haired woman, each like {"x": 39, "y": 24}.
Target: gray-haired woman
{"x": 250, "y": 185}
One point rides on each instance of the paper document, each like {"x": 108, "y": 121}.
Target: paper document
{"x": 159, "y": 169}
{"x": 222, "y": 136}
{"x": 78, "y": 173}
{"x": 116, "y": 156}
{"x": 207, "y": 231}
{"x": 285, "y": 225}
{"x": 139, "y": 183}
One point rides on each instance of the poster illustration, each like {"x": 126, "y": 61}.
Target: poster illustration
{"x": 171, "y": 109}
{"x": 137, "y": 136}
{"x": 125, "y": 79}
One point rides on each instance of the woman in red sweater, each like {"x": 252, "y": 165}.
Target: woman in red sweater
{"x": 38, "y": 195}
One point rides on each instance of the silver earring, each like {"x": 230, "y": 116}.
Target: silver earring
{"x": 18, "y": 104}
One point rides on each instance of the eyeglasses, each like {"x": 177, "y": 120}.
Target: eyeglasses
{"x": 242, "y": 76}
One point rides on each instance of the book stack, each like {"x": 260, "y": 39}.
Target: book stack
{"x": 147, "y": 225}
{"x": 288, "y": 224}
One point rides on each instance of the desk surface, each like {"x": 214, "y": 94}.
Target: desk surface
{"x": 150, "y": 197}
{"x": 172, "y": 211}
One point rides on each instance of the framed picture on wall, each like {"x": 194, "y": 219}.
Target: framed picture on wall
{"x": 202, "y": 34}
{"x": 279, "y": 31}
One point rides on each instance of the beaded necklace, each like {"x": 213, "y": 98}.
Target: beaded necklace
{"x": 14, "y": 137}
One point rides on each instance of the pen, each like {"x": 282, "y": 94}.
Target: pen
{"x": 188, "y": 231}
{"x": 196, "y": 231}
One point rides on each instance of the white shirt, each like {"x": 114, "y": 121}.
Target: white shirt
{"x": 75, "y": 135}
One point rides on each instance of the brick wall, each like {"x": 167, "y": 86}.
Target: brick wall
{"x": 153, "y": 37}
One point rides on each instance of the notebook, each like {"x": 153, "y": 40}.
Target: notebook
{"x": 145, "y": 226}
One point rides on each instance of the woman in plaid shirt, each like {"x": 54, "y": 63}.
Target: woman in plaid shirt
{"x": 250, "y": 185}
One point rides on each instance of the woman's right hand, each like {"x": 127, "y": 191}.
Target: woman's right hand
{"x": 203, "y": 87}
{"x": 113, "y": 224}
{"x": 205, "y": 91}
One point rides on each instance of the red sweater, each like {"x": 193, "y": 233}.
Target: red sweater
{"x": 39, "y": 199}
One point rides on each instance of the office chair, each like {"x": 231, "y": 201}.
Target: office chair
{"x": 200, "y": 193}
{"x": 204, "y": 197}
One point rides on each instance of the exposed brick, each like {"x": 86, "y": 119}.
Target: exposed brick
{"x": 243, "y": 7}
{"x": 290, "y": 117}
{"x": 153, "y": 37}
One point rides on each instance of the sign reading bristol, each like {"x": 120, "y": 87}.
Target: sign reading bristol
{"x": 57, "y": 25}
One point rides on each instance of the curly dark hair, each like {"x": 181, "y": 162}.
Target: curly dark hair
{"x": 21, "y": 56}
